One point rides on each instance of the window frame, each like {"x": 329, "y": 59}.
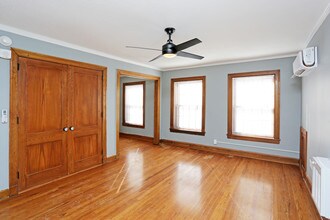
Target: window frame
{"x": 183, "y": 79}
{"x": 124, "y": 123}
{"x": 276, "y": 137}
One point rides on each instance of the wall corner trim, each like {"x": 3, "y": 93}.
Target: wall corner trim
{"x": 318, "y": 24}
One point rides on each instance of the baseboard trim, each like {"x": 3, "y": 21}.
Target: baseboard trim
{"x": 110, "y": 159}
{"x": 4, "y": 194}
{"x": 137, "y": 137}
{"x": 239, "y": 153}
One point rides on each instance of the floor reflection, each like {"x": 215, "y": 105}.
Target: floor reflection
{"x": 135, "y": 169}
{"x": 253, "y": 198}
{"x": 188, "y": 185}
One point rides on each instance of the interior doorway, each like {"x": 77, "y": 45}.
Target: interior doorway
{"x": 156, "y": 102}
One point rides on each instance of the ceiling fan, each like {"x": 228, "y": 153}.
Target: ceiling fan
{"x": 170, "y": 50}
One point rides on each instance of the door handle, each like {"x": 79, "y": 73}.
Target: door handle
{"x": 65, "y": 129}
{"x": 71, "y": 128}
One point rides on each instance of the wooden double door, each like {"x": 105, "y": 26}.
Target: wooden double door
{"x": 59, "y": 120}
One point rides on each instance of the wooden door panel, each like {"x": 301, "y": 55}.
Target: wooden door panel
{"x": 44, "y": 83}
{"x": 47, "y": 156}
{"x": 85, "y": 98}
{"x": 86, "y": 145}
{"x": 43, "y": 114}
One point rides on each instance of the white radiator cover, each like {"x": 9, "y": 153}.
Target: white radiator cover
{"x": 321, "y": 185}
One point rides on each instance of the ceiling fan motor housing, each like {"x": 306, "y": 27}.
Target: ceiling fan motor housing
{"x": 169, "y": 48}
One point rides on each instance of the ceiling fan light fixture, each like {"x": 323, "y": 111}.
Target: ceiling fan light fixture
{"x": 169, "y": 55}
{"x": 170, "y": 50}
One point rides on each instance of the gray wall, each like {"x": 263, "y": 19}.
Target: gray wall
{"x": 315, "y": 98}
{"x": 216, "y": 107}
{"x": 148, "y": 129}
{"x": 59, "y": 51}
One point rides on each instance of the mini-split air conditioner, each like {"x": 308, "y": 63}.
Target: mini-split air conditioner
{"x": 305, "y": 61}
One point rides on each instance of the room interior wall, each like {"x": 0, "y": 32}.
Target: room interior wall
{"x": 148, "y": 129}
{"x": 38, "y": 46}
{"x": 216, "y": 100}
{"x": 315, "y": 98}
{"x": 216, "y": 107}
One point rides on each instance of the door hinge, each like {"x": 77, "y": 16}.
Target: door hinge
{"x": 17, "y": 174}
{"x": 17, "y": 120}
{"x": 17, "y": 66}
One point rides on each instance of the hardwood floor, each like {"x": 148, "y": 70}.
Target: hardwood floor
{"x": 163, "y": 182}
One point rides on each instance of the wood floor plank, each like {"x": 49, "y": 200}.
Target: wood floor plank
{"x": 166, "y": 182}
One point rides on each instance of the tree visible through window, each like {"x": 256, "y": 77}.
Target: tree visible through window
{"x": 133, "y": 104}
{"x": 253, "y": 106}
{"x": 188, "y": 105}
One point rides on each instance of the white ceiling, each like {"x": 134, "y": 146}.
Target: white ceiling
{"x": 231, "y": 30}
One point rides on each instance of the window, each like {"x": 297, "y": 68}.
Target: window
{"x": 188, "y": 105}
{"x": 254, "y": 106}
{"x": 133, "y": 104}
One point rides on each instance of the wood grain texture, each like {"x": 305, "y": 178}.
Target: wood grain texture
{"x": 165, "y": 182}
{"x": 111, "y": 159}
{"x": 137, "y": 75}
{"x": 137, "y": 137}
{"x": 39, "y": 123}
{"x": 258, "y": 156}
{"x": 4, "y": 194}
{"x": 86, "y": 118}
{"x": 43, "y": 113}
{"x": 38, "y": 56}
{"x": 276, "y": 138}
{"x": 157, "y": 112}
{"x": 303, "y": 151}
{"x": 13, "y": 127}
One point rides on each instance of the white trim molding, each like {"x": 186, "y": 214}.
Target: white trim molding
{"x": 291, "y": 54}
{"x": 70, "y": 45}
{"x": 318, "y": 24}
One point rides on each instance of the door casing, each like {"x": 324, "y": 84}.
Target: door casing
{"x": 156, "y": 103}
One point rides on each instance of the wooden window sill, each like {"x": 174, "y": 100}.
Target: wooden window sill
{"x": 132, "y": 125}
{"x": 255, "y": 139}
{"x": 202, "y": 133}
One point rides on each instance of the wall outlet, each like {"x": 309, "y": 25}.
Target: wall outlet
{"x": 215, "y": 141}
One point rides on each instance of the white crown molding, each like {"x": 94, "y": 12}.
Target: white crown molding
{"x": 292, "y": 54}
{"x": 318, "y": 24}
{"x": 69, "y": 45}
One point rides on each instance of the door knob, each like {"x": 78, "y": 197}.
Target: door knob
{"x": 65, "y": 129}
{"x": 71, "y": 128}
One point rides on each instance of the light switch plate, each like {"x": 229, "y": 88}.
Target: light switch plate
{"x": 4, "y": 116}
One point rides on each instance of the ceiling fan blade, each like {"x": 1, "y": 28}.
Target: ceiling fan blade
{"x": 143, "y": 48}
{"x": 189, "y": 55}
{"x": 156, "y": 58}
{"x": 188, "y": 44}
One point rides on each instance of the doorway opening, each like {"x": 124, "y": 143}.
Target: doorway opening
{"x": 145, "y": 121}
